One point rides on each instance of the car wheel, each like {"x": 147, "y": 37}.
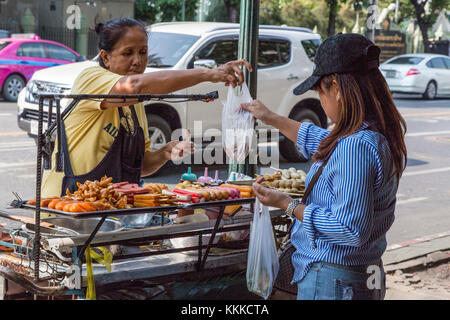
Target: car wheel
{"x": 288, "y": 149}
{"x": 159, "y": 131}
{"x": 430, "y": 91}
{"x": 12, "y": 87}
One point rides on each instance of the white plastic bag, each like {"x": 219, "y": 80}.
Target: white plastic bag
{"x": 237, "y": 124}
{"x": 262, "y": 262}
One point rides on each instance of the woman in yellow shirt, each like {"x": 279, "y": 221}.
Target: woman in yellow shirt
{"x": 109, "y": 137}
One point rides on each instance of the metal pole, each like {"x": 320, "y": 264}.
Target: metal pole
{"x": 37, "y": 218}
{"x": 248, "y": 50}
{"x": 372, "y": 16}
{"x": 183, "y": 8}
{"x": 397, "y": 4}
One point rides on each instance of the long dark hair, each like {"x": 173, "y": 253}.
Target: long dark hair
{"x": 111, "y": 32}
{"x": 365, "y": 97}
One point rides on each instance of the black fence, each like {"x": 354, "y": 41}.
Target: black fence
{"x": 441, "y": 47}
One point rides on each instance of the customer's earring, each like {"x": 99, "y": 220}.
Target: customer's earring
{"x": 338, "y": 96}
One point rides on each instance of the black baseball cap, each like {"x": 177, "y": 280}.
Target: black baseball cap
{"x": 342, "y": 53}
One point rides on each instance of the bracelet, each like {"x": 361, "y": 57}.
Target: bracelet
{"x": 291, "y": 207}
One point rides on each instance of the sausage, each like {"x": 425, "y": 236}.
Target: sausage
{"x": 60, "y": 205}
{"x": 88, "y": 206}
{"x": 67, "y": 207}
{"x": 45, "y": 202}
{"x": 52, "y": 203}
{"x": 75, "y": 207}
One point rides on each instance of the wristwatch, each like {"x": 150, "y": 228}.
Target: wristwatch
{"x": 291, "y": 207}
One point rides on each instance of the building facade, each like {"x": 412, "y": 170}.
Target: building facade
{"x": 71, "y": 22}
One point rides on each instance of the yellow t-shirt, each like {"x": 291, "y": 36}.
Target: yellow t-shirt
{"x": 90, "y": 130}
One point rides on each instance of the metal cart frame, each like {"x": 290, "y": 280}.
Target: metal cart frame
{"x": 81, "y": 243}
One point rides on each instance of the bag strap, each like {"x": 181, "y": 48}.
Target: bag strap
{"x": 305, "y": 196}
{"x": 314, "y": 180}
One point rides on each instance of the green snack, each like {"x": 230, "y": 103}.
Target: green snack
{"x": 188, "y": 176}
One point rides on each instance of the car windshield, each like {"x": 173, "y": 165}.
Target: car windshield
{"x": 166, "y": 49}
{"x": 3, "y": 44}
{"x": 406, "y": 60}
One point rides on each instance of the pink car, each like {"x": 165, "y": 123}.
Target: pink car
{"x": 21, "y": 56}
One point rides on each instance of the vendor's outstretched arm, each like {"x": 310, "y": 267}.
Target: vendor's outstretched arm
{"x": 164, "y": 82}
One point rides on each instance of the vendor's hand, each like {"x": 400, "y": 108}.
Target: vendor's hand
{"x": 269, "y": 196}
{"x": 230, "y": 73}
{"x": 177, "y": 150}
{"x": 259, "y": 110}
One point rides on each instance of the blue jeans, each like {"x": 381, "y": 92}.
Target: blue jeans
{"x": 329, "y": 282}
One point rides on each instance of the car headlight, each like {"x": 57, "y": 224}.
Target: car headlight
{"x": 34, "y": 88}
{"x": 31, "y": 92}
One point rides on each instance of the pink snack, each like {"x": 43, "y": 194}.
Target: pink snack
{"x": 205, "y": 178}
{"x": 232, "y": 192}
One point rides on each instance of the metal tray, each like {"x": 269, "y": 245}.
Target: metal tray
{"x": 242, "y": 182}
{"x": 81, "y": 227}
{"x": 120, "y": 212}
{"x": 93, "y": 214}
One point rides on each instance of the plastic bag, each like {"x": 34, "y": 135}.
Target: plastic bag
{"x": 237, "y": 124}
{"x": 262, "y": 262}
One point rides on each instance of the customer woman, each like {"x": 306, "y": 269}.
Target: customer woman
{"x": 340, "y": 231}
{"x": 107, "y": 137}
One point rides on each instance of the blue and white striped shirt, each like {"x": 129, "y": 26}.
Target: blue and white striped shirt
{"x": 351, "y": 206}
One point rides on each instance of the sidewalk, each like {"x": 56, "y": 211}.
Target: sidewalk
{"x": 418, "y": 269}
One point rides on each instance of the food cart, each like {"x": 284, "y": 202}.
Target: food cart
{"x": 52, "y": 257}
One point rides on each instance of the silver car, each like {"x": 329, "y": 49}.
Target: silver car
{"x": 426, "y": 74}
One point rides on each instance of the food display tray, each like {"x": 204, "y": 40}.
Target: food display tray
{"x": 144, "y": 210}
{"x": 92, "y": 214}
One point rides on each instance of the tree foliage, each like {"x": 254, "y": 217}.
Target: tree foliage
{"x": 418, "y": 11}
{"x": 329, "y": 16}
{"x": 152, "y": 11}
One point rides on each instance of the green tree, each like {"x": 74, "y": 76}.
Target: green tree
{"x": 305, "y": 13}
{"x": 424, "y": 18}
{"x": 152, "y": 11}
{"x": 336, "y": 9}
{"x": 270, "y": 12}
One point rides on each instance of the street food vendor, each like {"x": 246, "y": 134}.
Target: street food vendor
{"x": 339, "y": 234}
{"x": 104, "y": 137}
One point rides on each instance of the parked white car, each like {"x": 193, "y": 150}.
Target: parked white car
{"x": 426, "y": 74}
{"x": 285, "y": 60}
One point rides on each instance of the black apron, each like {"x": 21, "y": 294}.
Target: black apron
{"x": 123, "y": 161}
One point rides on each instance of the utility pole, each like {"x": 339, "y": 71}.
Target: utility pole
{"x": 397, "y": 4}
{"x": 372, "y": 17}
{"x": 248, "y": 50}
{"x": 183, "y": 10}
